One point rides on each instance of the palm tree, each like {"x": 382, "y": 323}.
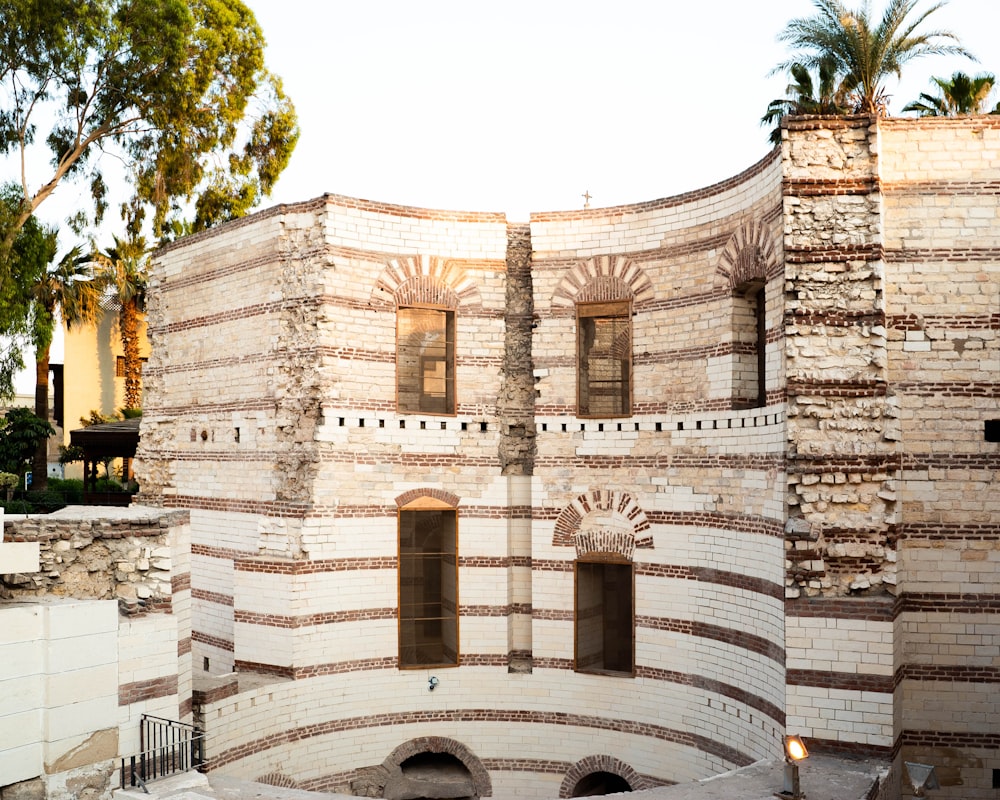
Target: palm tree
{"x": 67, "y": 288}
{"x": 122, "y": 275}
{"x": 830, "y": 96}
{"x": 863, "y": 52}
{"x": 961, "y": 95}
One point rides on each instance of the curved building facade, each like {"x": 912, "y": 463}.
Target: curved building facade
{"x": 524, "y": 508}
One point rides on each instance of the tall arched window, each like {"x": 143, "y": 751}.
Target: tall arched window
{"x": 749, "y": 346}
{"x": 428, "y": 584}
{"x": 425, "y": 360}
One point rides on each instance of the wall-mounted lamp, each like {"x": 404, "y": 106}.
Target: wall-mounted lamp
{"x": 922, "y": 777}
{"x": 795, "y": 751}
{"x": 432, "y": 683}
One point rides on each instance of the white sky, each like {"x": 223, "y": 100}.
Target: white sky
{"x": 523, "y": 105}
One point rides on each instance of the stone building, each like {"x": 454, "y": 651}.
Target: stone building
{"x": 610, "y": 499}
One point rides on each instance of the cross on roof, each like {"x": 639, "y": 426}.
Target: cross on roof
{"x": 586, "y": 198}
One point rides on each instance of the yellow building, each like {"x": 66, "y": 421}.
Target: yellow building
{"x": 93, "y": 373}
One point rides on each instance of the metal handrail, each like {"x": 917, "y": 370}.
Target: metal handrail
{"x": 167, "y": 747}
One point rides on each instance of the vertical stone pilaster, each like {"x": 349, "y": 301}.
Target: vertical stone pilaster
{"x": 516, "y": 412}
{"x": 842, "y": 429}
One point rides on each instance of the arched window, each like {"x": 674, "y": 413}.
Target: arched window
{"x": 428, "y": 584}
{"x": 425, "y": 360}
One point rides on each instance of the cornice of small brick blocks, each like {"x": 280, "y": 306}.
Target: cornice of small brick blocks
{"x": 151, "y": 689}
{"x": 310, "y": 620}
{"x": 829, "y": 187}
{"x": 880, "y": 463}
{"x": 922, "y": 322}
{"x": 286, "y": 509}
{"x": 212, "y": 641}
{"x": 415, "y": 212}
{"x": 841, "y": 681}
{"x": 950, "y": 739}
{"x": 836, "y": 747}
{"x": 969, "y": 123}
{"x": 946, "y": 602}
{"x": 834, "y": 254}
{"x": 949, "y": 531}
{"x": 275, "y": 566}
{"x": 836, "y": 389}
{"x": 869, "y": 609}
{"x": 708, "y": 192}
{"x": 211, "y": 597}
{"x": 833, "y": 318}
{"x": 954, "y": 673}
{"x": 829, "y": 122}
{"x": 205, "y": 697}
{"x": 740, "y": 639}
{"x": 479, "y": 717}
{"x": 41, "y": 529}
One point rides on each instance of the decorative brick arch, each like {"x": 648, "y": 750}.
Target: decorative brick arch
{"x": 426, "y": 280}
{"x": 591, "y": 764}
{"x": 410, "y": 496}
{"x": 481, "y": 782}
{"x": 603, "y": 278}
{"x": 278, "y": 779}
{"x": 748, "y": 256}
{"x": 567, "y": 531}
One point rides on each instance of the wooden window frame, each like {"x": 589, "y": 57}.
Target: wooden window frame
{"x": 404, "y": 661}
{"x": 420, "y": 360}
{"x": 602, "y": 560}
{"x": 611, "y": 309}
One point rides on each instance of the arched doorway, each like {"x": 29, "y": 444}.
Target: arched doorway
{"x": 600, "y": 783}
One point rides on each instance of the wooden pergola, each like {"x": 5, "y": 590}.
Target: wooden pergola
{"x": 99, "y": 443}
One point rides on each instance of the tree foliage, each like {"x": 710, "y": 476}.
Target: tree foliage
{"x": 122, "y": 277}
{"x": 29, "y": 254}
{"x": 19, "y": 437}
{"x": 177, "y": 88}
{"x": 830, "y": 96}
{"x": 865, "y": 51}
{"x": 67, "y": 288}
{"x": 963, "y": 94}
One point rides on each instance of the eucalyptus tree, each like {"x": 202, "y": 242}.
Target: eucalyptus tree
{"x": 963, "y": 94}
{"x": 177, "y": 89}
{"x": 66, "y": 291}
{"x": 864, "y": 50}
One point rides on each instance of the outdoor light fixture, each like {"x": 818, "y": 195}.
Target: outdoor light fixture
{"x": 432, "y": 683}
{"x": 922, "y": 777}
{"x": 795, "y": 751}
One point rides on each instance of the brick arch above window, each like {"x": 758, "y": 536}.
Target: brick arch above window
{"x": 599, "y": 763}
{"x": 427, "y": 497}
{"x": 569, "y": 530}
{"x": 603, "y": 278}
{"x": 481, "y": 783}
{"x": 426, "y": 280}
{"x": 749, "y": 256}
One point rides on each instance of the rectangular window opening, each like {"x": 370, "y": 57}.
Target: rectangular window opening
{"x": 428, "y": 588}
{"x": 604, "y": 359}
{"x": 425, "y": 360}
{"x": 605, "y": 620}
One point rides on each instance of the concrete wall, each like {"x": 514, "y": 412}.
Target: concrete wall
{"x": 93, "y": 634}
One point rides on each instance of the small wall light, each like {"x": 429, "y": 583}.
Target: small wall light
{"x": 922, "y": 777}
{"x": 795, "y": 751}
{"x": 432, "y": 683}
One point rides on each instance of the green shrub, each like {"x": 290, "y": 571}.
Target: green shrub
{"x": 16, "y": 506}
{"x": 71, "y": 489}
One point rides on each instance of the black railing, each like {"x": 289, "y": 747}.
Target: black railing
{"x": 168, "y": 747}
